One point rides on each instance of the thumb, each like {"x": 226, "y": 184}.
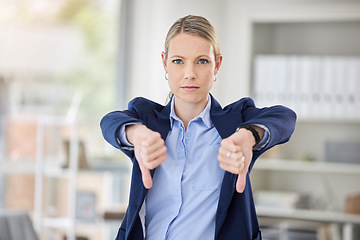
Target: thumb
{"x": 241, "y": 182}
{"x": 146, "y": 176}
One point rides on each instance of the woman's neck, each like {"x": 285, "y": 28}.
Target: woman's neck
{"x": 187, "y": 111}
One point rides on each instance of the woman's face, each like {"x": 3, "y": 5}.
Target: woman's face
{"x": 191, "y": 68}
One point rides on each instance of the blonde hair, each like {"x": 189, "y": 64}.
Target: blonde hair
{"x": 195, "y": 25}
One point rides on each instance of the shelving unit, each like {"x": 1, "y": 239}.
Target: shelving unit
{"x": 321, "y": 28}
{"x": 112, "y": 183}
{"x": 37, "y": 156}
{"x": 346, "y": 221}
{"x": 70, "y": 174}
{"x": 308, "y": 173}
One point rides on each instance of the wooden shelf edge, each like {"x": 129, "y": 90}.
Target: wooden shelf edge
{"x": 309, "y": 215}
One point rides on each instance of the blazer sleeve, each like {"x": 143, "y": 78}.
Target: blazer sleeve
{"x": 139, "y": 110}
{"x": 278, "y": 119}
{"x": 111, "y": 123}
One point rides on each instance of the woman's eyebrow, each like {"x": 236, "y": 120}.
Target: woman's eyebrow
{"x": 204, "y": 56}
{"x": 176, "y": 56}
{"x": 200, "y": 56}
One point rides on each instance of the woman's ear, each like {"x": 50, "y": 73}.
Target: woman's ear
{"x": 218, "y": 63}
{"x": 163, "y": 56}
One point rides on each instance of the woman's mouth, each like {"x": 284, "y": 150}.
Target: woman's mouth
{"x": 190, "y": 88}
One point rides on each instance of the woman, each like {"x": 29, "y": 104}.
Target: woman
{"x": 192, "y": 158}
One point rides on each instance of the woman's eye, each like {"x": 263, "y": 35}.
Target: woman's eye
{"x": 177, "y": 61}
{"x": 203, "y": 61}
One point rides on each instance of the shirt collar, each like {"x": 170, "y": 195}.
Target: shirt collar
{"x": 204, "y": 115}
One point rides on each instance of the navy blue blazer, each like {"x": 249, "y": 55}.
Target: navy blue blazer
{"x": 236, "y": 216}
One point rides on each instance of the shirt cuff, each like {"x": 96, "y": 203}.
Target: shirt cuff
{"x": 121, "y": 137}
{"x": 264, "y": 140}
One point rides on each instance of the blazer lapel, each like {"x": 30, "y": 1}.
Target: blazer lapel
{"x": 160, "y": 121}
{"x": 225, "y": 121}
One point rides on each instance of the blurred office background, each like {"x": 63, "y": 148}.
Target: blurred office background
{"x": 66, "y": 63}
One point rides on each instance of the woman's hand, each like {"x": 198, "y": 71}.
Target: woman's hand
{"x": 150, "y": 150}
{"x": 235, "y": 154}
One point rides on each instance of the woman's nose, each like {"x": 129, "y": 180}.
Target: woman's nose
{"x": 190, "y": 73}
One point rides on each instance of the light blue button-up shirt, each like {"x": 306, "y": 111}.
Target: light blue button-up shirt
{"x": 183, "y": 200}
{"x": 184, "y": 197}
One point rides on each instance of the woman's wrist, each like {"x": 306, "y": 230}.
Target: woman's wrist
{"x": 255, "y": 133}
{"x": 130, "y": 131}
{"x": 260, "y": 131}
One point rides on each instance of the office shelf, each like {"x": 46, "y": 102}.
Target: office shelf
{"x": 301, "y": 28}
{"x": 303, "y": 166}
